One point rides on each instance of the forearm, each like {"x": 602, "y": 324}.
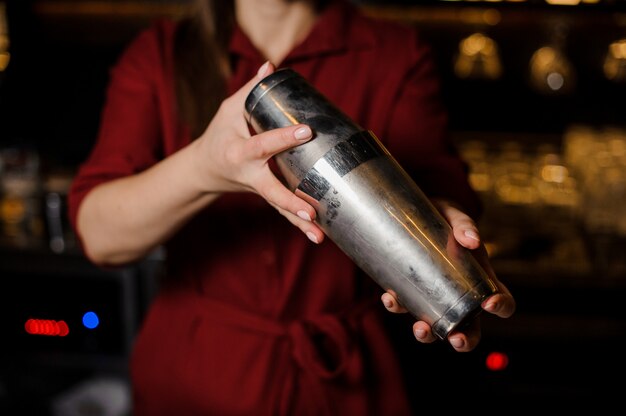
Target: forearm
{"x": 122, "y": 220}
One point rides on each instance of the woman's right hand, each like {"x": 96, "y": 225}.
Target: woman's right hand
{"x": 231, "y": 159}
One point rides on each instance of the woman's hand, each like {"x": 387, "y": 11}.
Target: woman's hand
{"x": 501, "y": 304}
{"x": 231, "y": 159}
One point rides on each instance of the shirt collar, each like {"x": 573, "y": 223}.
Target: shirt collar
{"x": 335, "y": 31}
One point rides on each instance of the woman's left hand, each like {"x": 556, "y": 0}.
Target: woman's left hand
{"x": 501, "y": 304}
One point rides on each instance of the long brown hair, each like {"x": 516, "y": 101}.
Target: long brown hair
{"x": 201, "y": 60}
{"x": 201, "y": 63}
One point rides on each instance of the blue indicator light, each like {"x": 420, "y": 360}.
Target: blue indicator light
{"x": 90, "y": 320}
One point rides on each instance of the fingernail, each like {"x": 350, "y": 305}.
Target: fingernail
{"x": 312, "y": 237}
{"x": 420, "y": 333}
{"x": 457, "y": 342}
{"x": 263, "y": 69}
{"x": 304, "y": 215}
{"x": 388, "y": 303}
{"x": 491, "y": 306}
{"x": 472, "y": 234}
{"x": 303, "y": 133}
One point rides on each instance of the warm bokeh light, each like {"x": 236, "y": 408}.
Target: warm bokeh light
{"x": 478, "y": 58}
{"x": 615, "y": 61}
{"x": 563, "y": 2}
{"x": 5, "y": 57}
{"x": 551, "y": 71}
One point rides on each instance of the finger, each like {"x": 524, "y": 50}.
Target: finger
{"x": 238, "y": 98}
{"x": 264, "y": 70}
{"x": 463, "y": 226}
{"x": 391, "y": 303}
{"x": 501, "y": 304}
{"x": 267, "y": 144}
{"x": 423, "y": 332}
{"x": 467, "y": 338}
{"x": 273, "y": 190}
{"x": 309, "y": 228}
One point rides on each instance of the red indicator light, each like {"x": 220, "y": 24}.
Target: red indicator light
{"x": 497, "y": 361}
{"x": 47, "y": 327}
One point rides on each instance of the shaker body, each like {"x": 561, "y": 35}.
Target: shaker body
{"x": 369, "y": 206}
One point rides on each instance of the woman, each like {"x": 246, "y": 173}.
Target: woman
{"x": 259, "y": 315}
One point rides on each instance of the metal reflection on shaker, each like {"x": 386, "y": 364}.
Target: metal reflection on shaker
{"x": 369, "y": 206}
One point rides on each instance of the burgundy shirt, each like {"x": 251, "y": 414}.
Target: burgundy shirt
{"x": 254, "y": 318}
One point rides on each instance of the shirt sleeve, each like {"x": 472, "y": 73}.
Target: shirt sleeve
{"x": 128, "y": 139}
{"x": 418, "y": 133}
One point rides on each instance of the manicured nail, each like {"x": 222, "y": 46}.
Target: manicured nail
{"x": 263, "y": 69}
{"x": 420, "y": 333}
{"x": 303, "y": 133}
{"x": 312, "y": 237}
{"x": 472, "y": 234}
{"x": 304, "y": 215}
{"x": 457, "y": 342}
{"x": 491, "y": 306}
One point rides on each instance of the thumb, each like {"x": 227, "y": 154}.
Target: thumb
{"x": 266, "y": 69}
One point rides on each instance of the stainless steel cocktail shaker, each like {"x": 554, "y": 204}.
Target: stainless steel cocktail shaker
{"x": 368, "y": 205}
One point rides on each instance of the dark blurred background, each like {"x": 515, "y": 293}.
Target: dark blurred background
{"x": 536, "y": 91}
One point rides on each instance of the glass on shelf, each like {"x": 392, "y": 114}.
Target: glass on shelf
{"x": 615, "y": 61}
{"x": 20, "y": 215}
{"x": 598, "y": 159}
{"x": 58, "y": 231}
{"x": 514, "y": 180}
{"x": 556, "y": 186}
{"x": 476, "y": 155}
{"x": 530, "y": 198}
{"x": 478, "y": 57}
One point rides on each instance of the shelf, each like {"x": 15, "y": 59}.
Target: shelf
{"x": 117, "y": 9}
{"x": 430, "y": 12}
